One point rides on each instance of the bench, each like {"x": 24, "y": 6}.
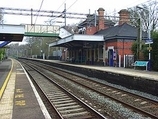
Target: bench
{"x": 141, "y": 64}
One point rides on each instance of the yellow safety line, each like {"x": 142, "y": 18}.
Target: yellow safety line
{"x": 6, "y": 81}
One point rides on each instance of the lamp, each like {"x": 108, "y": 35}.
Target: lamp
{"x": 149, "y": 36}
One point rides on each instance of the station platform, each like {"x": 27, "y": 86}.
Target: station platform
{"x": 151, "y": 75}
{"x": 18, "y": 97}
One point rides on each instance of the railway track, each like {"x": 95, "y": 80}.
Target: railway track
{"x": 65, "y": 104}
{"x": 135, "y": 102}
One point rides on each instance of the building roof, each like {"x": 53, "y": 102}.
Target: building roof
{"x": 101, "y": 9}
{"x": 90, "y": 21}
{"x": 124, "y": 31}
{"x": 68, "y": 29}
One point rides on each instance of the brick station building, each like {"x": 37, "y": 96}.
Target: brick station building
{"x": 101, "y": 41}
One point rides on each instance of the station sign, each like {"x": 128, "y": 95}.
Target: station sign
{"x": 149, "y": 41}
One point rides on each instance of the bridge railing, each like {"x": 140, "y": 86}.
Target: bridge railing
{"x": 42, "y": 28}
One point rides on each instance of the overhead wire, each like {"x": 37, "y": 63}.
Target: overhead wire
{"x": 39, "y": 11}
{"x": 106, "y": 15}
{"x": 131, "y": 6}
{"x": 42, "y": 13}
{"x": 71, "y": 5}
{"x": 38, "y": 14}
{"x": 64, "y": 12}
{"x": 57, "y": 10}
{"x": 61, "y": 5}
{"x": 58, "y": 15}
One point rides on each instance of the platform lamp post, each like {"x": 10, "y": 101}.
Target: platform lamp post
{"x": 149, "y": 35}
{"x": 139, "y": 39}
{"x": 48, "y": 50}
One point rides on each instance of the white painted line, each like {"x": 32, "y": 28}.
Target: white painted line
{"x": 40, "y": 102}
{"x": 20, "y": 73}
{"x": 19, "y": 69}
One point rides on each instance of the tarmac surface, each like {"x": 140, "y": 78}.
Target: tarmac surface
{"x": 5, "y": 67}
{"x": 20, "y": 100}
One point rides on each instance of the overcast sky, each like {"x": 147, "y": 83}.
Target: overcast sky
{"x": 79, "y": 6}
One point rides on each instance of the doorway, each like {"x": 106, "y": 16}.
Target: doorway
{"x": 110, "y": 57}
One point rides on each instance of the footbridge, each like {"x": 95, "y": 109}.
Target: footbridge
{"x": 15, "y": 33}
{"x": 41, "y": 30}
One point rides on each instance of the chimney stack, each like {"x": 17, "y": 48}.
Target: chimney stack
{"x": 101, "y": 19}
{"x": 124, "y": 16}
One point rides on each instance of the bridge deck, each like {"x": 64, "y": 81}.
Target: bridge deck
{"x": 16, "y": 33}
{"x": 10, "y": 32}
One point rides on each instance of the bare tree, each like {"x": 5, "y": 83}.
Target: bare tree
{"x": 39, "y": 45}
{"x": 1, "y": 16}
{"x": 148, "y": 13}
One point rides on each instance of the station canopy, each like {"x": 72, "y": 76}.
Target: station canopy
{"x": 78, "y": 40}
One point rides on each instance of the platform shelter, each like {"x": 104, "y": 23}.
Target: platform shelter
{"x": 87, "y": 49}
